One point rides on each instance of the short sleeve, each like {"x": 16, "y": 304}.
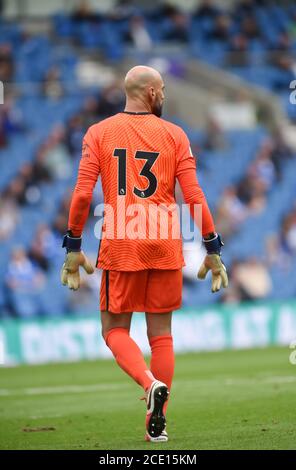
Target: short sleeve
{"x": 185, "y": 159}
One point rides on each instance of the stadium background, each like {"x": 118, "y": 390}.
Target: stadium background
{"x": 229, "y": 69}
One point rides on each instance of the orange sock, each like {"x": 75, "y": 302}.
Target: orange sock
{"x": 162, "y": 360}
{"x": 129, "y": 356}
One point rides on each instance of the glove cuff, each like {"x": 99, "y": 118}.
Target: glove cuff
{"x": 213, "y": 246}
{"x": 72, "y": 243}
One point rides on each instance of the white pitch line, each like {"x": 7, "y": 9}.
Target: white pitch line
{"x": 63, "y": 389}
{"x": 281, "y": 380}
{"x": 69, "y": 389}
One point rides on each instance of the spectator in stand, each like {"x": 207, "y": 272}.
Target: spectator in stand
{"x": 84, "y": 12}
{"x": 252, "y": 279}
{"x": 280, "y": 151}
{"x": 24, "y": 188}
{"x": 205, "y": 9}
{"x": 249, "y": 280}
{"x": 243, "y": 8}
{"x": 11, "y": 121}
{"x": 24, "y": 282}
{"x": 214, "y": 136}
{"x": 261, "y": 175}
{"x": 281, "y": 247}
{"x": 138, "y": 34}
{"x": 75, "y": 131}
{"x": 178, "y": 28}
{"x": 60, "y": 225}
{"x": 44, "y": 247}
{"x": 56, "y": 156}
{"x": 231, "y": 212}
{"x": 31, "y": 192}
{"x": 252, "y": 193}
{"x": 238, "y": 55}
{"x": 282, "y": 44}
{"x": 111, "y": 100}
{"x": 285, "y": 63}
{"x": 89, "y": 114}
{"x": 249, "y": 27}
{"x": 221, "y": 30}
{"x": 122, "y": 10}
{"x": 6, "y": 63}
{"x": 16, "y": 190}
{"x": 9, "y": 216}
{"x": 40, "y": 173}
{"x": 263, "y": 169}
{"x": 163, "y": 12}
{"x": 52, "y": 86}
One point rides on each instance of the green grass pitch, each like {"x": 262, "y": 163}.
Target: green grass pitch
{"x": 220, "y": 400}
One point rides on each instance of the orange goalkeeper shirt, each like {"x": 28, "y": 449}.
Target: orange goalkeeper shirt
{"x": 139, "y": 157}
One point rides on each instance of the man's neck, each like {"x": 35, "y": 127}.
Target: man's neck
{"x": 136, "y": 107}
{"x": 136, "y": 112}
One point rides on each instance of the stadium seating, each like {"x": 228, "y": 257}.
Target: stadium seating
{"x": 41, "y": 114}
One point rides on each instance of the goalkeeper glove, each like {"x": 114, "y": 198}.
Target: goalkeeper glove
{"x": 212, "y": 262}
{"x": 74, "y": 258}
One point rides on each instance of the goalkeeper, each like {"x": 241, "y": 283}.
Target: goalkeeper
{"x": 139, "y": 157}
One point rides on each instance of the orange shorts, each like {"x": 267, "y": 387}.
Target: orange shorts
{"x": 151, "y": 290}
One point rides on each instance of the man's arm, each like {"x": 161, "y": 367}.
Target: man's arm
{"x": 88, "y": 173}
{"x": 193, "y": 195}
{"x": 192, "y": 192}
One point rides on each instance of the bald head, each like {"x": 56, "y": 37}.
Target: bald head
{"x": 140, "y": 77}
{"x": 144, "y": 87}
